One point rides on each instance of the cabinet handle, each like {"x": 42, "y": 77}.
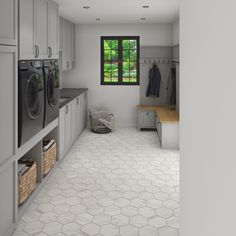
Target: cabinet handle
{"x": 67, "y": 109}
{"x": 49, "y": 52}
{"x": 36, "y": 51}
{"x": 77, "y": 101}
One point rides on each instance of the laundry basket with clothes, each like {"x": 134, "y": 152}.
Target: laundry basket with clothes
{"x": 101, "y": 120}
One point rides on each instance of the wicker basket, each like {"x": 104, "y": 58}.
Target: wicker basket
{"x": 49, "y": 159}
{"x": 27, "y": 181}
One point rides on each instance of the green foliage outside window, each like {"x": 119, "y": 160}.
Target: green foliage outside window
{"x": 123, "y": 56}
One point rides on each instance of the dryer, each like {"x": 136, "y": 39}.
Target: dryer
{"x": 30, "y": 99}
{"x": 52, "y": 90}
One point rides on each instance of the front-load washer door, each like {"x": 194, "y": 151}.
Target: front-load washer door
{"x": 52, "y": 84}
{"x": 33, "y": 97}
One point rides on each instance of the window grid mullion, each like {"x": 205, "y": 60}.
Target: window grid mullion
{"x": 120, "y": 61}
{"x": 129, "y": 60}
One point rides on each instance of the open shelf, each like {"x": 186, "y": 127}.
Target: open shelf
{"x": 35, "y": 153}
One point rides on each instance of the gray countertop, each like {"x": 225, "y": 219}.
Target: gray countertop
{"x": 69, "y": 94}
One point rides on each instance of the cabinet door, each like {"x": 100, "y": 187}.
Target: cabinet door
{"x": 8, "y": 22}
{"x": 64, "y": 45}
{"x": 80, "y": 114}
{"x": 85, "y": 110}
{"x": 149, "y": 119}
{"x": 72, "y": 59}
{"x": 41, "y": 27}
{"x": 74, "y": 119}
{"x": 69, "y": 44}
{"x": 68, "y": 136}
{"x": 27, "y": 45}
{"x": 8, "y": 127}
{"x": 7, "y": 203}
{"x": 53, "y": 29}
{"x": 62, "y": 130}
{"x": 60, "y": 33}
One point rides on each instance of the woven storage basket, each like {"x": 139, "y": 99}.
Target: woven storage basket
{"x": 49, "y": 159}
{"x": 27, "y": 181}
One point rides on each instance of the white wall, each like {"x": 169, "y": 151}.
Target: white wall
{"x": 121, "y": 100}
{"x": 176, "y": 33}
{"x": 208, "y": 117}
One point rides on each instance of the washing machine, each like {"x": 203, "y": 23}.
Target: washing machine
{"x": 30, "y": 99}
{"x": 52, "y": 90}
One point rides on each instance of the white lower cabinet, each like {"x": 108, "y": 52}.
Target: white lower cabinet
{"x": 68, "y": 125}
{"x": 146, "y": 120}
{"x": 77, "y": 121}
{"x": 84, "y": 109}
{"x": 65, "y": 120}
{"x": 72, "y": 120}
{"x": 168, "y": 134}
{"x": 62, "y": 130}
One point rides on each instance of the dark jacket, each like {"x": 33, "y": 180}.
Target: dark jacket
{"x": 171, "y": 88}
{"x": 154, "y": 82}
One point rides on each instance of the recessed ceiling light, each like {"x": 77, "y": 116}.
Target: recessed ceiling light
{"x": 86, "y": 7}
{"x": 145, "y": 6}
{"x": 142, "y": 18}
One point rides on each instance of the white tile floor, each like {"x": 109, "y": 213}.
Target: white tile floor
{"x": 115, "y": 184}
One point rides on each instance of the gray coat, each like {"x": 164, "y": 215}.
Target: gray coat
{"x": 154, "y": 82}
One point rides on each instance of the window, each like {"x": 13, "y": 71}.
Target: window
{"x": 120, "y": 60}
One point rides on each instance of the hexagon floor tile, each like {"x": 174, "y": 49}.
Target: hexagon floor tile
{"x": 121, "y": 183}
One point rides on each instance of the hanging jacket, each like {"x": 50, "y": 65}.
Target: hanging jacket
{"x": 154, "y": 82}
{"x": 171, "y": 88}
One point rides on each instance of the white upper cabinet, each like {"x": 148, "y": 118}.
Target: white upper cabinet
{"x": 67, "y": 43}
{"x": 64, "y": 43}
{"x": 38, "y": 34}
{"x": 73, "y": 45}
{"x": 8, "y": 22}
{"x": 61, "y": 20}
{"x": 27, "y": 46}
{"x": 53, "y": 36}
{"x": 41, "y": 27}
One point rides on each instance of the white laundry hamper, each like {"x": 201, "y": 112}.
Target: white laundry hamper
{"x": 101, "y": 120}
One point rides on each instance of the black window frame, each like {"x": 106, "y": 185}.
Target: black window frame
{"x": 120, "y": 59}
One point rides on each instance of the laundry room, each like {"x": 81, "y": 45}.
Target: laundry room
{"x": 106, "y": 107}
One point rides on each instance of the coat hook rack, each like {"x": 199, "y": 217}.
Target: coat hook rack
{"x": 149, "y": 60}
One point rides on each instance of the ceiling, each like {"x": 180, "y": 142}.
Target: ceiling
{"x": 119, "y": 11}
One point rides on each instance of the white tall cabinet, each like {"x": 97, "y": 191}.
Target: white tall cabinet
{"x": 8, "y": 134}
{"x": 8, "y": 68}
{"x": 38, "y": 35}
{"x": 8, "y": 117}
